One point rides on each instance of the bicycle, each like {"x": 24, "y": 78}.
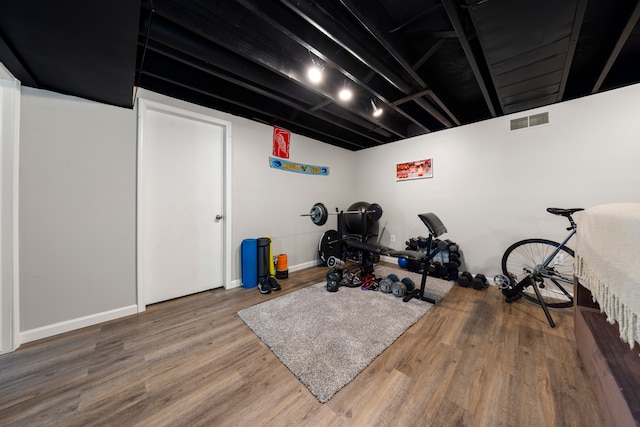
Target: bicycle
{"x": 539, "y": 269}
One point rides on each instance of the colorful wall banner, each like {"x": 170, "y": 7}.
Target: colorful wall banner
{"x": 281, "y": 139}
{"x": 298, "y": 167}
{"x": 414, "y": 170}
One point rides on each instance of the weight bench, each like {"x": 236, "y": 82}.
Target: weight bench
{"x": 435, "y": 227}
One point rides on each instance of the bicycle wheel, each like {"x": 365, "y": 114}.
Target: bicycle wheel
{"x": 526, "y": 256}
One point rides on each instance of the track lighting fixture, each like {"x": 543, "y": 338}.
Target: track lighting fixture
{"x": 377, "y": 112}
{"x": 314, "y": 73}
{"x": 345, "y": 93}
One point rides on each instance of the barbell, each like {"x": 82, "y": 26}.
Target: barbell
{"x": 319, "y": 213}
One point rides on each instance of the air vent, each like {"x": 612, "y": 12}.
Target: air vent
{"x": 520, "y": 123}
{"x": 539, "y": 119}
{"x": 534, "y": 120}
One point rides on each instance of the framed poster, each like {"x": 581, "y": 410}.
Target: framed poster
{"x": 417, "y": 169}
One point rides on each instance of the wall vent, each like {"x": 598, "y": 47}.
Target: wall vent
{"x": 529, "y": 121}
{"x": 520, "y": 123}
{"x": 539, "y": 119}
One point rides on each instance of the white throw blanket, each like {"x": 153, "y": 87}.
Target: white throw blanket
{"x": 608, "y": 263}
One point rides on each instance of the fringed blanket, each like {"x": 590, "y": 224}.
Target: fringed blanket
{"x": 608, "y": 263}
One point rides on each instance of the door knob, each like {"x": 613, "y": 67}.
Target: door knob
{"x": 218, "y": 217}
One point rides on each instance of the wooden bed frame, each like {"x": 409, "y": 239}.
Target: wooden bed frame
{"x": 612, "y": 367}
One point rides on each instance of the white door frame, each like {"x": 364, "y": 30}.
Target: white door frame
{"x": 9, "y": 202}
{"x": 143, "y": 106}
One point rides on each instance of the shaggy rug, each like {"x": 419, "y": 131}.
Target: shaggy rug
{"x": 327, "y": 338}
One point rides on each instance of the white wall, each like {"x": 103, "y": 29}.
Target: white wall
{"x": 491, "y": 186}
{"x": 77, "y": 207}
{"x": 268, "y": 202}
{"x": 77, "y": 211}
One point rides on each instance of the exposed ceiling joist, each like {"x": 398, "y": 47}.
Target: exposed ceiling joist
{"x": 631, "y": 23}
{"x": 429, "y": 65}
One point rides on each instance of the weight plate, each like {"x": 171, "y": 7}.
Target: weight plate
{"x": 319, "y": 214}
{"x": 409, "y": 284}
{"x": 399, "y": 289}
{"x": 326, "y": 248}
{"x": 375, "y": 211}
{"x": 385, "y": 285}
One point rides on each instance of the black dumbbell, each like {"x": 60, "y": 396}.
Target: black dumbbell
{"x": 454, "y": 257}
{"x": 452, "y": 270}
{"x": 485, "y": 281}
{"x": 479, "y": 282}
{"x": 333, "y": 280}
{"x": 465, "y": 279}
{"x": 386, "y": 284}
{"x": 442, "y": 271}
{"x": 403, "y": 287}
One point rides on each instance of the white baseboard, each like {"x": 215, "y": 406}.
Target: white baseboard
{"x": 238, "y": 282}
{"x": 73, "y": 324}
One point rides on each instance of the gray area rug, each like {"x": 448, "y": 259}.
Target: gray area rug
{"x": 327, "y": 338}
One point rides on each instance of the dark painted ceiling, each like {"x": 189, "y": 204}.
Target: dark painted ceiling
{"x": 429, "y": 64}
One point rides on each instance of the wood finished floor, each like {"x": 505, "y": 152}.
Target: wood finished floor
{"x": 472, "y": 360}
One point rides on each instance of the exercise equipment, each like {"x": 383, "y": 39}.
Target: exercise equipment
{"x": 319, "y": 212}
{"x": 249, "y": 263}
{"x": 403, "y": 262}
{"x": 464, "y": 280}
{"x": 479, "y": 282}
{"x": 334, "y": 262}
{"x": 330, "y": 245}
{"x": 361, "y": 217}
{"x": 436, "y": 228}
{"x": 333, "y": 280}
{"x": 403, "y": 287}
{"x": 266, "y": 282}
{"x": 282, "y": 272}
{"x": 272, "y": 267}
{"x": 386, "y": 284}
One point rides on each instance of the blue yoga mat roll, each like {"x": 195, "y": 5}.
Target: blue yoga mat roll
{"x": 249, "y": 263}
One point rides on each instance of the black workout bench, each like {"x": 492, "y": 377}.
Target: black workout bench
{"x": 435, "y": 227}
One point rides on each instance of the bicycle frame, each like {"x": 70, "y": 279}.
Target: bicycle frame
{"x": 542, "y": 268}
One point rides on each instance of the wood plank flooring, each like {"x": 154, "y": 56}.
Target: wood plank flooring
{"x": 472, "y": 360}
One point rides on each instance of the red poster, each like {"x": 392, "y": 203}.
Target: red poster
{"x": 281, "y": 139}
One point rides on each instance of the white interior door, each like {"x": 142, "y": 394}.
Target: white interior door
{"x": 180, "y": 209}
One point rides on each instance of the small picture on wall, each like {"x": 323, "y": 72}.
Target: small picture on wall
{"x": 418, "y": 169}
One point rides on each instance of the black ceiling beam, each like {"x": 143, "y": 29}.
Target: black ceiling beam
{"x": 620, "y": 41}
{"x": 411, "y": 97}
{"x": 372, "y": 23}
{"x": 276, "y": 19}
{"x": 181, "y": 58}
{"x": 183, "y": 40}
{"x": 428, "y": 54}
{"x": 452, "y": 11}
{"x": 444, "y": 107}
{"x": 415, "y": 18}
{"x": 232, "y": 100}
{"x": 581, "y": 7}
{"x": 326, "y": 24}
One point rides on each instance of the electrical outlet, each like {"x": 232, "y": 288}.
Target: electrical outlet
{"x": 393, "y": 238}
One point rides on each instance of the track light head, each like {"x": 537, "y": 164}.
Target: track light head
{"x": 314, "y": 73}
{"x": 345, "y": 93}
{"x": 377, "y": 112}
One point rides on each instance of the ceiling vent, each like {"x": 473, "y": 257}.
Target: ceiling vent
{"x": 529, "y": 121}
